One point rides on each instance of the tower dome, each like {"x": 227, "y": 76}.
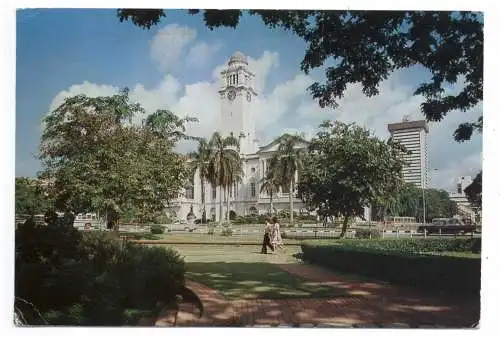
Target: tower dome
{"x": 238, "y": 57}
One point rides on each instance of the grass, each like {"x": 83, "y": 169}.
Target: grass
{"x": 238, "y": 280}
{"x": 200, "y": 238}
{"x": 241, "y": 272}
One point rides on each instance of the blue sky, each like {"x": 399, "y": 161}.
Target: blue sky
{"x": 67, "y": 52}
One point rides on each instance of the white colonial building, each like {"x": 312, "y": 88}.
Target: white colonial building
{"x": 237, "y": 119}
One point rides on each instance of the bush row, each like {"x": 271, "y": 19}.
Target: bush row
{"x": 409, "y": 245}
{"x": 411, "y": 266}
{"x": 92, "y": 278}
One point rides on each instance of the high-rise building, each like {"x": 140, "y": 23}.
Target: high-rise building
{"x": 413, "y": 136}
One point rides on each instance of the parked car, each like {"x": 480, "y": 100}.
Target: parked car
{"x": 181, "y": 225}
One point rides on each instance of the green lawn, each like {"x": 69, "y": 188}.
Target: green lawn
{"x": 239, "y": 280}
{"x": 201, "y": 238}
{"x": 241, "y": 272}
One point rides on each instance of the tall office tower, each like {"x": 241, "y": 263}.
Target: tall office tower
{"x": 413, "y": 136}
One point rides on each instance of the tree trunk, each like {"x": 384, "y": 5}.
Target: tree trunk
{"x": 344, "y": 227}
{"x": 271, "y": 204}
{"x": 290, "y": 199}
{"x": 220, "y": 205}
{"x": 228, "y": 202}
{"x": 204, "y": 213}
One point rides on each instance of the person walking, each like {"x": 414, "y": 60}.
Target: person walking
{"x": 266, "y": 242}
{"x": 276, "y": 241}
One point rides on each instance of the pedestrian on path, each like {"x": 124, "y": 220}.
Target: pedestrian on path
{"x": 276, "y": 240}
{"x": 266, "y": 242}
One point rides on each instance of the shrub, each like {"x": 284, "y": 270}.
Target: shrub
{"x": 102, "y": 282}
{"x": 157, "y": 229}
{"x": 404, "y": 261}
{"x": 368, "y": 233}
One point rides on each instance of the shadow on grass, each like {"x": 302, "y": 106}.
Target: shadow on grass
{"x": 239, "y": 280}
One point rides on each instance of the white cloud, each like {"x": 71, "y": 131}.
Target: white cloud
{"x": 262, "y": 67}
{"x": 168, "y": 44}
{"x": 269, "y": 109}
{"x": 201, "y": 54}
{"x": 87, "y": 88}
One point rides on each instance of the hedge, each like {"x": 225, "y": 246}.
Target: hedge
{"x": 404, "y": 261}
{"x": 103, "y": 282}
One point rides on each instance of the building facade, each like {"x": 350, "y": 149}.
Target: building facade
{"x": 413, "y": 136}
{"x": 458, "y": 195}
{"x": 237, "y": 119}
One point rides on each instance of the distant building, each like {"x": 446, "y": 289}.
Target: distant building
{"x": 413, "y": 136}
{"x": 458, "y": 195}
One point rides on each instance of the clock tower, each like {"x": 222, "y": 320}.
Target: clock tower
{"x": 237, "y": 95}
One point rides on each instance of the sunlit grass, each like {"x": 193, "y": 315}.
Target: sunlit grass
{"x": 239, "y": 280}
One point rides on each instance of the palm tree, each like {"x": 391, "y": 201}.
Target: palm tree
{"x": 270, "y": 183}
{"x": 288, "y": 161}
{"x": 225, "y": 164}
{"x": 200, "y": 161}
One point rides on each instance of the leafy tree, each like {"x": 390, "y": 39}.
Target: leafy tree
{"x": 30, "y": 197}
{"x": 286, "y": 163}
{"x": 438, "y": 205}
{"x": 225, "y": 166}
{"x": 367, "y": 46}
{"x": 474, "y": 192}
{"x": 200, "y": 161}
{"x": 346, "y": 169}
{"x": 408, "y": 202}
{"x": 96, "y": 159}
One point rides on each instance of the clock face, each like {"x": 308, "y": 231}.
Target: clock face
{"x": 231, "y": 95}
{"x": 249, "y": 97}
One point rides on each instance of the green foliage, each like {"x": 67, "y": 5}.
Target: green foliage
{"x": 368, "y": 233}
{"x": 448, "y": 44}
{"x": 157, "y": 229}
{"x": 407, "y": 262}
{"x": 474, "y": 191}
{"x": 96, "y": 159}
{"x": 408, "y": 202}
{"x": 286, "y": 162}
{"x": 409, "y": 245}
{"x": 225, "y": 166}
{"x": 346, "y": 169}
{"x": 30, "y": 197}
{"x": 91, "y": 278}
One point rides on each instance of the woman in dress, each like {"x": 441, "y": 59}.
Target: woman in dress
{"x": 276, "y": 240}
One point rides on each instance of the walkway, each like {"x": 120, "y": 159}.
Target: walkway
{"x": 373, "y": 304}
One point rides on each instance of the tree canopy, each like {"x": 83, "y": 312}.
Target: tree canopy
{"x": 474, "y": 192}
{"x": 95, "y": 159}
{"x": 367, "y": 46}
{"x": 409, "y": 203}
{"x": 346, "y": 169}
{"x": 30, "y": 198}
